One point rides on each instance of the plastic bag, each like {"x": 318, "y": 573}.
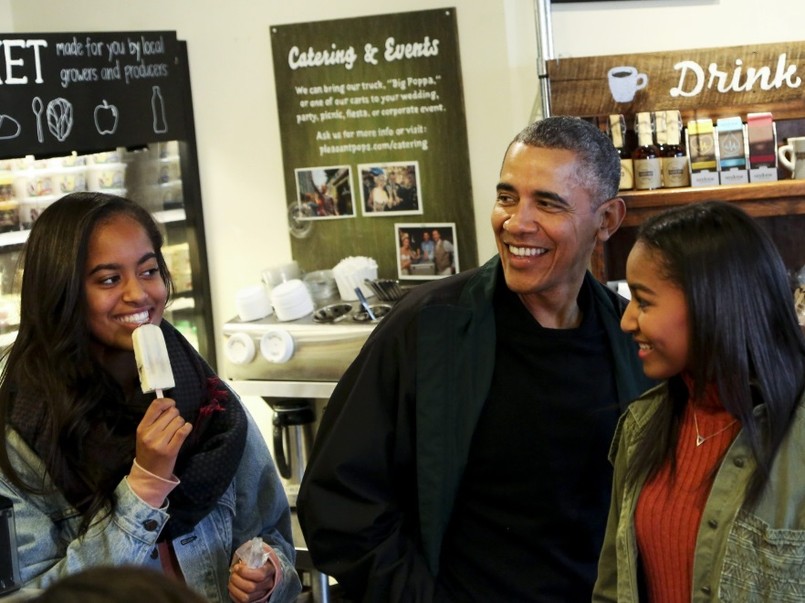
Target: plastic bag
{"x": 252, "y": 553}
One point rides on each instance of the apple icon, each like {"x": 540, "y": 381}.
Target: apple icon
{"x": 106, "y": 118}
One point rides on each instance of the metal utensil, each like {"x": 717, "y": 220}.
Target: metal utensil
{"x": 364, "y": 303}
{"x": 36, "y": 106}
{"x": 386, "y": 289}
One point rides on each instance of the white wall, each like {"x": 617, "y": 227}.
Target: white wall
{"x": 5, "y": 14}
{"x": 235, "y": 104}
{"x": 598, "y": 28}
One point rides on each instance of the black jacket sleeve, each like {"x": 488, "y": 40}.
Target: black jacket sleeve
{"x": 358, "y": 501}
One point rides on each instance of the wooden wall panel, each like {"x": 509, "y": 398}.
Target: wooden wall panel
{"x": 706, "y": 82}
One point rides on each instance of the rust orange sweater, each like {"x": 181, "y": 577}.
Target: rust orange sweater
{"x": 670, "y": 508}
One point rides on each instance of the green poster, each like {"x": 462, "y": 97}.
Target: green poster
{"x": 374, "y": 143}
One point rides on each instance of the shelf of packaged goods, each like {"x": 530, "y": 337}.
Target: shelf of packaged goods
{"x": 761, "y": 199}
{"x": 170, "y": 215}
{"x": 181, "y": 303}
{"x": 13, "y": 238}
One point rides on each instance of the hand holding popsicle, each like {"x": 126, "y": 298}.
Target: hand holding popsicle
{"x": 160, "y": 436}
{"x": 162, "y": 430}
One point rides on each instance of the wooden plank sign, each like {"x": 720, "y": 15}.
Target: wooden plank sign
{"x": 705, "y": 82}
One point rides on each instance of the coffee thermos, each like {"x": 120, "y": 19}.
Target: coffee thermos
{"x": 293, "y": 422}
{"x": 293, "y": 439}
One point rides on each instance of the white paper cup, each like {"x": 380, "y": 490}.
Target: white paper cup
{"x": 253, "y": 303}
{"x": 281, "y": 273}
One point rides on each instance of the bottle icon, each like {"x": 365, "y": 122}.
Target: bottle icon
{"x": 158, "y": 110}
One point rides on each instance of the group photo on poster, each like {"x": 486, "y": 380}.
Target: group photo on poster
{"x": 426, "y": 251}
{"x": 390, "y": 187}
{"x": 324, "y": 192}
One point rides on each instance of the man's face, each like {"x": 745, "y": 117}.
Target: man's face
{"x": 436, "y": 236}
{"x": 544, "y": 223}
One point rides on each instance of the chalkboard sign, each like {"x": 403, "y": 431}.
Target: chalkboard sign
{"x": 88, "y": 91}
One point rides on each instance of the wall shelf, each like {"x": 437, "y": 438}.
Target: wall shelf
{"x": 762, "y": 199}
{"x": 780, "y": 206}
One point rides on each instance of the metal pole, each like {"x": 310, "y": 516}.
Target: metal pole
{"x": 542, "y": 9}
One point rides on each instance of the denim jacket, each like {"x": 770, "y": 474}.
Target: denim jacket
{"x": 253, "y": 505}
{"x": 742, "y": 555}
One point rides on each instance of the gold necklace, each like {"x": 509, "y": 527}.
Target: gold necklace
{"x": 700, "y": 439}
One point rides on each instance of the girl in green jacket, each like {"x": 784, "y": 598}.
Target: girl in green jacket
{"x": 709, "y": 493}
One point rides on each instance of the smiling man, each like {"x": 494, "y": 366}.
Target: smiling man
{"x": 463, "y": 455}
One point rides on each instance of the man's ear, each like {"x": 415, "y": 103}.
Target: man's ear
{"x": 611, "y": 214}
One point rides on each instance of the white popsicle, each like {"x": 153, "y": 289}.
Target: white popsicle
{"x": 153, "y": 363}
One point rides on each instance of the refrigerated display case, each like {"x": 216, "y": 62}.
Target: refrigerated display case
{"x": 119, "y": 120}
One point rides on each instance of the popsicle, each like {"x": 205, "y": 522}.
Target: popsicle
{"x": 153, "y": 363}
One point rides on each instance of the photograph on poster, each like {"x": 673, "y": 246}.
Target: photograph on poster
{"x": 426, "y": 251}
{"x": 390, "y": 188}
{"x": 324, "y": 193}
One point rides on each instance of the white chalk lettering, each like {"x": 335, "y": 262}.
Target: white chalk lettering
{"x": 425, "y": 48}
{"x": 15, "y": 63}
{"x": 692, "y": 77}
{"x": 300, "y": 59}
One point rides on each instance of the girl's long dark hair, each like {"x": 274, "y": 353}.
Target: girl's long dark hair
{"x": 744, "y": 333}
{"x": 50, "y": 360}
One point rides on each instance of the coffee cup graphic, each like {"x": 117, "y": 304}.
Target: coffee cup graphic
{"x": 624, "y": 82}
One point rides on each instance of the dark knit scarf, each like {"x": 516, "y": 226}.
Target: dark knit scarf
{"x": 207, "y": 461}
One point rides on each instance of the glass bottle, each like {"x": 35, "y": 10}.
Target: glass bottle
{"x": 647, "y": 161}
{"x": 617, "y": 131}
{"x": 158, "y": 110}
{"x": 675, "y": 165}
{"x": 660, "y": 131}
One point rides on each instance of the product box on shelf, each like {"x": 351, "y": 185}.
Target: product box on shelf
{"x": 702, "y": 150}
{"x": 732, "y": 151}
{"x": 761, "y": 133}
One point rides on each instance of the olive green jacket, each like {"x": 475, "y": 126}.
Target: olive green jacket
{"x": 741, "y": 556}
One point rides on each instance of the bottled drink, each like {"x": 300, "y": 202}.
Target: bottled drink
{"x": 660, "y": 131}
{"x": 647, "y": 161}
{"x": 675, "y": 168}
{"x": 617, "y": 130}
{"x": 158, "y": 110}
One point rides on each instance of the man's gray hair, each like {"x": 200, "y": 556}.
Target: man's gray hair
{"x": 598, "y": 159}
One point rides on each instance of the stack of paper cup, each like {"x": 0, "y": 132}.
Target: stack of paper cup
{"x": 291, "y": 300}
{"x": 253, "y": 303}
{"x": 351, "y": 272}
{"x": 281, "y": 273}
